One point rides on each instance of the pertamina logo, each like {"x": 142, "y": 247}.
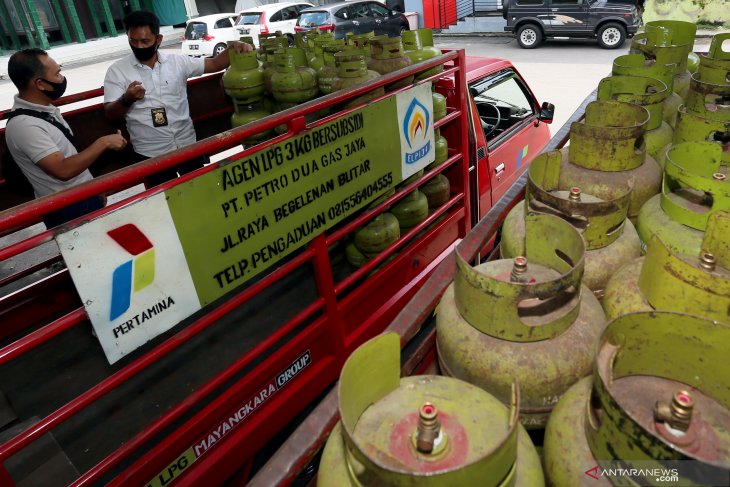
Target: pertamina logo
{"x": 135, "y": 274}
{"x": 416, "y": 124}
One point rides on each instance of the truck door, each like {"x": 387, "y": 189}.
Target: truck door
{"x": 568, "y": 16}
{"x": 507, "y": 115}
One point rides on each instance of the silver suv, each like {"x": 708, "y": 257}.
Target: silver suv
{"x": 534, "y": 20}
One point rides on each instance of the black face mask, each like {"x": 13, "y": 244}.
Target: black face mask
{"x": 58, "y": 89}
{"x": 144, "y": 53}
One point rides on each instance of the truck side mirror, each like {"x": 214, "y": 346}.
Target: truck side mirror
{"x": 547, "y": 112}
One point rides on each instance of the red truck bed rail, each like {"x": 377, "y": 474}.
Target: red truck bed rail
{"x": 102, "y": 412}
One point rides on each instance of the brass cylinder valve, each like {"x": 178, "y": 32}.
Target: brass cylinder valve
{"x": 574, "y": 194}
{"x": 519, "y": 268}
{"x": 677, "y": 413}
{"x": 707, "y": 261}
{"x": 429, "y": 428}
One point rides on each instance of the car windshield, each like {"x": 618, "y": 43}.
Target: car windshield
{"x": 249, "y": 18}
{"x": 313, "y": 19}
{"x": 196, "y": 30}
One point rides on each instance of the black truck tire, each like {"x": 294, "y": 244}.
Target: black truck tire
{"x": 529, "y": 36}
{"x": 611, "y": 35}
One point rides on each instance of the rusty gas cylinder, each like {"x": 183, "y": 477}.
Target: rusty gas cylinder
{"x": 611, "y": 240}
{"x": 424, "y": 430}
{"x": 669, "y": 42}
{"x": 693, "y": 127}
{"x": 664, "y": 280}
{"x": 657, "y": 400}
{"x": 388, "y": 56}
{"x": 640, "y": 65}
{"x": 270, "y": 47}
{"x": 649, "y": 93}
{"x": 715, "y": 64}
{"x": 695, "y": 185}
{"x": 527, "y": 319}
{"x": 606, "y": 150}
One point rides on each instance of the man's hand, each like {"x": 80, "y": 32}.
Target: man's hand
{"x": 135, "y": 91}
{"x": 114, "y": 141}
{"x": 240, "y": 47}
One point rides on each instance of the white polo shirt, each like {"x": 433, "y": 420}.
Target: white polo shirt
{"x": 165, "y": 87}
{"x": 30, "y": 139}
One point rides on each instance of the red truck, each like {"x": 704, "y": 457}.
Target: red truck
{"x": 222, "y": 300}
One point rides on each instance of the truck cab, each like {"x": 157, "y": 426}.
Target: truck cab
{"x": 197, "y": 402}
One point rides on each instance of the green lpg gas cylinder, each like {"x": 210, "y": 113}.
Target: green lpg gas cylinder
{"x": 649, "y": 93}
{"x": 361, "y": 42}
{"x": 437, "y": 191}
{"x": 693, "y": 127}
{"x": 353, "y": 70}
{"x": 527, "y": 319}
{"x": 243, "y": 81}
{"x": 696, "y": 284}
{"x": 669, "y": 42}
{"x": 709, "y": 100}
{"x": 606, "y": 150}
{"x": 715, "y": 65}
{"x": 695, "y": 185}
{"x": 378, "y": 234}
{"x": 611, "y": 239}
{"x": 411, "y": 210}
{"x": 419, "y": 47}
{"x": 427, "y": 430}
{"x": 439, "y": 106}
{"x": 640, "y": 65}
{"x": 293, "y": 81}
{"x": 441, "y": 150}
{"x": 246, "y": 114}
{"x": 271, "y": 46}
{"x": 388, "y": 56}
{"x": 658, "y": 400}
{"x": 328, "y": 72}
{"x": 411, "y": 179}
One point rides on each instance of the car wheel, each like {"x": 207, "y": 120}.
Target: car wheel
{"x": 219, "y": 48}
{"x": 611, "y": 35}
{"x": 529, "y": 36}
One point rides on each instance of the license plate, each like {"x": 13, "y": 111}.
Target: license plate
{"x": 244, "y": 31}
{"x": 193, "y": 47}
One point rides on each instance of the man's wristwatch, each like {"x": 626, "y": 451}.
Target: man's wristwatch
{"x": 127, "y": 102}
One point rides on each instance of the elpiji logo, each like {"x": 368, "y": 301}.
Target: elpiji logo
{"x": 135, "y": 274}
{"x": 416, "y": 124}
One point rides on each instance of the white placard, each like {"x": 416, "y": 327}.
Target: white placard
{"x": 415, "y": 124}
{"x": 130, "y": 271}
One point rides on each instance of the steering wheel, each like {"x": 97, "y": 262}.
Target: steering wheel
{"x": 487, "y": 125}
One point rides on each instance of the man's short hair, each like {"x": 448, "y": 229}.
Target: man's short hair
{"x": 142, "y": 18}
{"x": 25, "y": 65}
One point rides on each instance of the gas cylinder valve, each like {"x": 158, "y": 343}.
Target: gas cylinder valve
{"x": 707, "y": 261}
{"x": 678, "y": 413}
{"x": 574, "y": 194}
{"x": 519, "y": 268}
{"x": 429, "y": 428}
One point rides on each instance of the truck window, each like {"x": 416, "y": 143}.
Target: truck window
{"x": 503, "y": 103}
{"x": 528, "y": 2}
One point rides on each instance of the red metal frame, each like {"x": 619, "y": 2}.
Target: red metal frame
{"x": 340, "y": 324}
{"x": 309, "y": 437}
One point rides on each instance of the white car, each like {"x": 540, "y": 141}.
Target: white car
{"x": 267, "y": 19}
{"x": 207, "y": 35}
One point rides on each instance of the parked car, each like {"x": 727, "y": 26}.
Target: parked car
{"x": 207, "y": 35}
{"x": 534, "y": 20}
{"x": 358, "y": 17}
{"x": 270, "y": 18}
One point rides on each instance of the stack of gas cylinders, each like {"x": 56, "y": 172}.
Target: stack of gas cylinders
{"x": 594, "y": 351}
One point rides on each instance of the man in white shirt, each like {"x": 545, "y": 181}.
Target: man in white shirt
{"x": 148, "y": 89}
{"x": 40, "y": 140}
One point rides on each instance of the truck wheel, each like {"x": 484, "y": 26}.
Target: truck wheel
{"x": 611, "y": 35}
{"x": 529, "y": 36}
